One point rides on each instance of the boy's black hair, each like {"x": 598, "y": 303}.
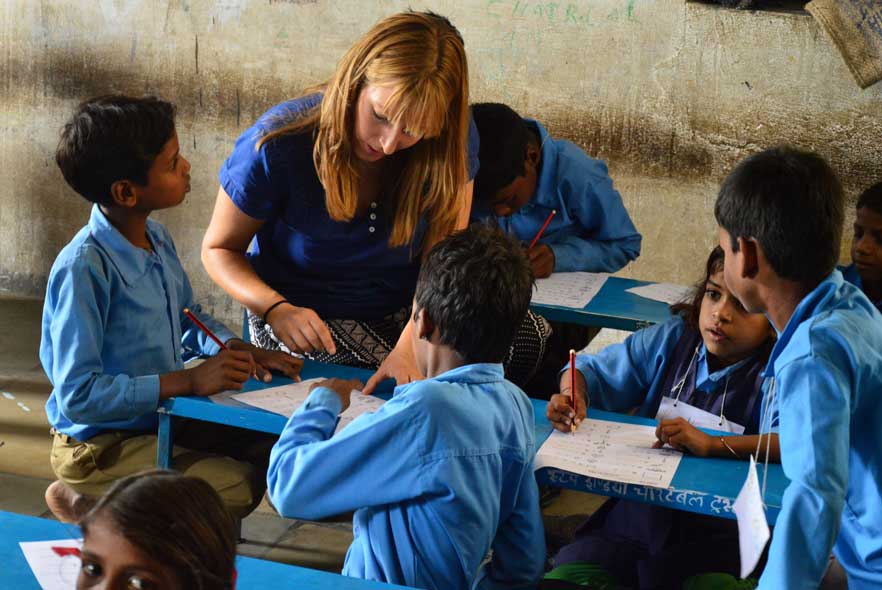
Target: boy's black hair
{"x": 476, "y": 287}
{"x": 792, "y": 203}
{"x": 504, "y": 138}
{"x": 112, "y": 138}
{"x": 871, "y": 198}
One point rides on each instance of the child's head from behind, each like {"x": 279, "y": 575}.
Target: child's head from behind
{"x": 728, "y": 331}
{"x": 166, "y": 529}
{"x": 509, "y": 156}
{"x": 866, "y": 247}
{"x": 473, "y": 292}
{"x": 780, "y": 214}
{"x": 123, "y": 151}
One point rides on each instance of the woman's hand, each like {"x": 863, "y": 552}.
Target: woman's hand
{"x": 683, "y": 436}
{"x": 300, "y": 329}
{"x": 399, "y": 365}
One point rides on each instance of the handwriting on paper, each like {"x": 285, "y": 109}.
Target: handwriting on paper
{"x": 569, "y": 289}
{"x": 613, "y": 451}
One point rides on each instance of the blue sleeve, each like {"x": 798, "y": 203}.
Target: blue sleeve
{"x": 814, "y": 400}
{"x": 619, "y": 377}
{"x": 474, "y": 147}
{"x": 76, "y": 310}
{"x": 246, "y": 177}
{"x": 371, "y": 463}
{"x": 607, "y": 239}
{"x": 519, "y": 547}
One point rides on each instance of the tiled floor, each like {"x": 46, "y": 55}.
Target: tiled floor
{"x": 25, "y": 471}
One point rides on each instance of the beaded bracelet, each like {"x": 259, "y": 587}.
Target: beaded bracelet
{"x": 273, "y": 306}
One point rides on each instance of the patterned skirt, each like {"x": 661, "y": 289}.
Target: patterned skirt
{"x": 366, "y": 343}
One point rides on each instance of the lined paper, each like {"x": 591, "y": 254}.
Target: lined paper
{"x": 569, "y": 289}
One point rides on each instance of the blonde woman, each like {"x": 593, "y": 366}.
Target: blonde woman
{"x": 345, "y": 189}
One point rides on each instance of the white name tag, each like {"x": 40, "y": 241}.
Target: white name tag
{"x": 753, "y": 529}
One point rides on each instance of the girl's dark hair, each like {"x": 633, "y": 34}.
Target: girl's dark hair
{"x": 691, "y": 307}
{"x": 871, "y": 198}
{"x": 177, "y": 519}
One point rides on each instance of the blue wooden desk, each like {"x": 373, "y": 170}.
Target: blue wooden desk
{"x": 706, "y": 486}
{"x": 612, "y": 307}
{"x": 253, "y": 574}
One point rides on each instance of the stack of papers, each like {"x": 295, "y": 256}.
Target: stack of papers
{"x": 664, "y": 292}
{"x": 614, "y": 451}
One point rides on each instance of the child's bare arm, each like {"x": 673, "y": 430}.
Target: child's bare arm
{"x": 683, "y": 436}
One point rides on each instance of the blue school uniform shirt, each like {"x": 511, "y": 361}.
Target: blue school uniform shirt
{"x": 826, "y": 370}
{"x": 591, "y": 230}
{"x": 342, "y": 270}
{"x": 112, "y": 323}
{"x": 850, "y": 274}
{"x": 634, "y": 373}
{"x": 437, "y": 477}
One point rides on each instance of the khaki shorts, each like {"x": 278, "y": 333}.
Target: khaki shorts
{"x": 91, "y": 467}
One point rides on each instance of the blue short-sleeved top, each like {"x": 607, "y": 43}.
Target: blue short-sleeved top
{"x": 342, "y": 270}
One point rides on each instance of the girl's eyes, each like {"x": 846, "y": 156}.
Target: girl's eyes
{"x": 379, "y": 117}
{"x": 712, "y": 294}
{"x": 139, "y": 583}
{"x": 93, "y": 570}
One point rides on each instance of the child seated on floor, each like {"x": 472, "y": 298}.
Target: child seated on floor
{"x": 865, "y": 271}
{"x": 114, "y": 335}
{"x": 702, "y": 368}
{"x": 780, "y": 214}
{"x": 159, "y": 530}
{"x": 443, "y": 472}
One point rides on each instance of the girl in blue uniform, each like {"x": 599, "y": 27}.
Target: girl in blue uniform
{"x": 702, "y": 368}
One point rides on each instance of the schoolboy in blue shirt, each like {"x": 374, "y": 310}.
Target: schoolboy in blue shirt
{"x": 780, "y": 216}
{"x": 114, "y": 335}
{"x": 865, "y": 271}
{"x": 525, "y": 174}
{"x": 443, "y": 472}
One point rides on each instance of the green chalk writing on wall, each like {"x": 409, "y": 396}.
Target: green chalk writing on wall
{"x": 558, "y": 13}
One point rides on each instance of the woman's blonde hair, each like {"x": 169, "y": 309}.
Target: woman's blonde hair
{"x": 421, "y": 57}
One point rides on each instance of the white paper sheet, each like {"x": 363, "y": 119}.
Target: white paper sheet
{"x": 53, "y": 571}
{"x": 569, "y": 289}
{"x": 285, "y": 399}
{"x": 753, "y": 529}
{"x": 613, "y": 451}
{"x": 664, "y": 292}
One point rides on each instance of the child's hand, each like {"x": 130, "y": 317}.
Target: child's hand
{"x": 560, "y": 408}
{"x": 342, "y": 387}
{"x": 541, "y": 260}
{"x": 228, "y": 369}
{"x": 266, "y": 361}
{"x": 683, "y": 436}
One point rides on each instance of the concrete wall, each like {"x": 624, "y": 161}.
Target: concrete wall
{"x": 671, "y": 94}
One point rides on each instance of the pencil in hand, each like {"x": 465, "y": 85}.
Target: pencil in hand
{"x": 204, "y": 328}
{"x": 542, "y": 229}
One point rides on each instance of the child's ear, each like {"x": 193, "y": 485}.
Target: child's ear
{"x": 533, "y": 154}
{"x": 423, "y": 324}
{"x": 750, "y": 257}
{"x": 123, "y": 193}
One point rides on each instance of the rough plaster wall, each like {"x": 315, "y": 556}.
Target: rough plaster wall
{"x": 670, "y": 94}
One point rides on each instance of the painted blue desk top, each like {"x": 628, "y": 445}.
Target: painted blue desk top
{"x": 254, "y": 574}
{"x": 706, "y": 486}
{"x": 612, "y": 307}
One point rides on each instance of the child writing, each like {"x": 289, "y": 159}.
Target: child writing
{"x": 780, "y": 214}
{"x": 866, "y": 246}
{"x": 525, "y": 174}
{"x": 443, "y": 472}
{"x": 702, "y": 368}
{"x": 114, "y": 335}
{"x": 159, "y": 529}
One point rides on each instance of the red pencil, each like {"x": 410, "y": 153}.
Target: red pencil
{"x": 204, "y": 328}
{"x": 542, "y": 229}
{"x": 573, "y": 386}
